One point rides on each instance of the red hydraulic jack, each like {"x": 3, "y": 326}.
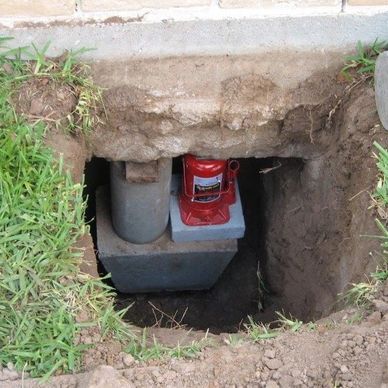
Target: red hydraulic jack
{"x": 208, "y": 189}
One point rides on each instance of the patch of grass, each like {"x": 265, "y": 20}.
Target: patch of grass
{"x": 311, "y": 326}
{"x": 234, "y": 339}
{"x": 259, "y": 331}
{"x": 360, "y": 294}
{"x": 355, "y": 318}
{"x": 364, "y": 61}
{"x": 143, "y": 350}
{"x": 21, "y": 64}
{"x": 290, "y": 323}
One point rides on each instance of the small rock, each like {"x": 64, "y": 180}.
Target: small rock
{"x": 298, "y": 382}
{"x": 347, "y": 376}
{"x": 7, "y": 68}
{"x": 265, "y": 375}
{"x": 82, "y": 316}
{"x": 358, "y": 339}
{"x": 87, "y": 340}
{"x": 357, "y": 350}
{"x": 269, "y": 353}
{"x": 10, "y": 374}
{"x": 127, "y": 359}
{"x": 155, "y": 373}
{"x": 336, "y": 355}
{"x": 374, "y": 318}
{"x": 276, "y": 375}
{"x": 10, "y": 366}
{"x": 273, "y": 364}
{"x": 295, "y": 373}
{"x": 381, "y": 306}
{"x": 385, "y": 291}
{"x": 119, "y": 365}
{"x": 272, "y": 384}
{"x": 344, "y": 369}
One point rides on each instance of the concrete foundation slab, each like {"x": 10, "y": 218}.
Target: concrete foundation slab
{"x": 180, "y": 232}
{"x": 162, "y": 265}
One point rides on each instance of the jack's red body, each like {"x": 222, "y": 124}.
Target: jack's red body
{"x": 208, "y": 189}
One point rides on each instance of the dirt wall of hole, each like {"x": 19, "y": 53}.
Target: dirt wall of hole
{"x": 318, "y": 216}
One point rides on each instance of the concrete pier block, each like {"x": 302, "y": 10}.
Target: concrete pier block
{"x": 162, "y": 265}
{"x": 180, "y": 232}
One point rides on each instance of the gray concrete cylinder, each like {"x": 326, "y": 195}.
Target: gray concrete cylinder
{"x": 140, "y": 210}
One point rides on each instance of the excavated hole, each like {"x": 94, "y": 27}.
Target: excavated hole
{"x": 239, "y": 292}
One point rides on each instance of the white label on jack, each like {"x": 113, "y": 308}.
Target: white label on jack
{"x": 207, "y": 185}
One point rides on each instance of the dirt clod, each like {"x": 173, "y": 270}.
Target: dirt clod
{"x": 273, "y": 364}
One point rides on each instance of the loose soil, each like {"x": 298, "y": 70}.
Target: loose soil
{"x": 333, "y": 353}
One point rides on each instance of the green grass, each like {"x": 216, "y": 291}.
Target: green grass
{"x": 289, "y": 323}
{"x": 364, "y": 61}
{"x": 41, "y": 290}
{"x": 259, "y": 331}
{"x": 143, "y": 350}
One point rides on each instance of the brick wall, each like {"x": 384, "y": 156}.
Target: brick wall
{"x": 67, "y": 8}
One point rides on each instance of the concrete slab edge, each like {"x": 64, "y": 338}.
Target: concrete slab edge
{"x": 238, "y": 36}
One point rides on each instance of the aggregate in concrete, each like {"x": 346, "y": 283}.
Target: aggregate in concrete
{"x": 381, "y": 87}
{"x": 162, "y": 265}
{"x": 180, "y": 232}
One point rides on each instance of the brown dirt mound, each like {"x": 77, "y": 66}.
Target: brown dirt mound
{"x": 47, "y": 100}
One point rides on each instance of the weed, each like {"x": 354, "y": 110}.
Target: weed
{"x": 311, "y": 326}
{"x": 290, "y": 323}
{"x": 381, "y": 273}
{"x": 234, "y": 339}
{"x": 355, "y": 318}
{"x": 142, "y": 350}
{"x": 360, "y": 294}
{"x": 364, "y": 61}
{"x": 259, "y": 331}
{"x": 332, "y": 324}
